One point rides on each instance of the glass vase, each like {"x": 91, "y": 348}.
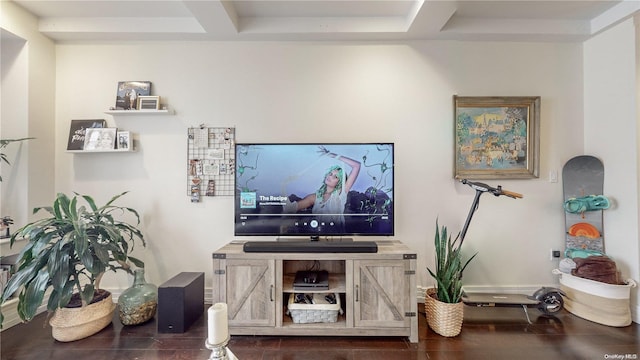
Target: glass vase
{"x": 138, "y": 303}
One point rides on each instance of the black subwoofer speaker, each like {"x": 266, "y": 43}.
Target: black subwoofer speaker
{"x": 180, "y": 302}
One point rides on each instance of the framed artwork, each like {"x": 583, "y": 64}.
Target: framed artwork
{"x": 97, "y": 139}
{"x": 128, "y": 93}
{"x": 124, "y": 140}
{"x": 496, "y": 137}
{"x": 77, "y": 131}
{"x": 148, "y": 102}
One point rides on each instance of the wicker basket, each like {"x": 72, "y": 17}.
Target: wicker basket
{"x": 445, "y": 319}
{"x": 603, "y": 303}
{"x": 321, "y": 312}
{"x": 71, "y": 324}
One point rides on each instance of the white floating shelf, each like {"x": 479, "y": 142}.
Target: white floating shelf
{"x": 139, "y": 112}
{"x": 101, "y": 151}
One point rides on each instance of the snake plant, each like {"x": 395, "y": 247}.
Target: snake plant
{"x": 70, "y": 251}
{"x": 449, "y": 266}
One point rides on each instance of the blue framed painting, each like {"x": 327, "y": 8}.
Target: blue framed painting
{"x": 497, "y": 137}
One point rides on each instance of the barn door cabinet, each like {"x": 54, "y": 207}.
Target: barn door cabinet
{"x": 377, "y": 291}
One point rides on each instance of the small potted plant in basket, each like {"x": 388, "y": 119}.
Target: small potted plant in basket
{"x": 68, "y": 253}
{"x": 443, "y": 305}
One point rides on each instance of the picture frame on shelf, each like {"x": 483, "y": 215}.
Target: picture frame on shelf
{"x": 100, "y": 139}
{"x": 148, "y": 102}
{"x": 124, "y": 142}
{"x": 128, "y": 93}
{"x": 77, "y": 130}
{"x": 497, "y": 137}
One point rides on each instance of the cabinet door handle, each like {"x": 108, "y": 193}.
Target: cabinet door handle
{"x": 271, "y": 293}
{"x": 357, "y": 293}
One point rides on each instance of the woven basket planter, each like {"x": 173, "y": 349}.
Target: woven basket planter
{"x": 71, "y": 324}
{"x": 445, "y": 319}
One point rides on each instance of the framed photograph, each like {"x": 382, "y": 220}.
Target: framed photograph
{"x": 124, "y": 140}
{"x": 496, "y": 137}
{"x": 77, "y": 131}
{"x": 148, "y": 102}
{"x": 97, "y": 139}
{"x": 128, "y": 93}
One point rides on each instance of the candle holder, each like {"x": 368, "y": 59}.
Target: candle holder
{"x": 218, "y": 351}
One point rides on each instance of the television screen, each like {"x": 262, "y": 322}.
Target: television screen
{"x": 314, "y": 189}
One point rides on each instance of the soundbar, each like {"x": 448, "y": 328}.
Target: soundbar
{"x": 306, "y": 246}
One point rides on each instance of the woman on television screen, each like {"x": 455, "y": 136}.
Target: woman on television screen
{"x": 331, "y": 196}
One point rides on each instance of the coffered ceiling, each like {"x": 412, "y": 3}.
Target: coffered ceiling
{"x": 516, "y": 20}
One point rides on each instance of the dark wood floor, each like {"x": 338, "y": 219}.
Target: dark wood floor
{"x": 487, "y": 333}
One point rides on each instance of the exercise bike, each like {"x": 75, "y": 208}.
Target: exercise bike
{"x": 546, "y": 299}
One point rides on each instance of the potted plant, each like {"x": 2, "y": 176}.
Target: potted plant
{"x": 443, "y": 305}
{"x": 68, "y": 253}
{"x": 5, "y": 223}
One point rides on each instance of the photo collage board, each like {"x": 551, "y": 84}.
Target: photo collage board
{"x": 210, "y": 162}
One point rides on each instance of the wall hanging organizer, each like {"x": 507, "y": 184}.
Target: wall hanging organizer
{"x": 210, "y": 162}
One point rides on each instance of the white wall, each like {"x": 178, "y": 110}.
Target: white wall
{"x": 287, "y": 91}
{"x": 14, "y": 73}
{"x": 306, "y": 92}
{"x": 28, "y": 82}
{"x": 611, "y": 121}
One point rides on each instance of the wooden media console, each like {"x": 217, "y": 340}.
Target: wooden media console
{"x": 377, "y": 291}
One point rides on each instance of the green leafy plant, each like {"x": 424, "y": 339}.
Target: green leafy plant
{"x": 70, "y": 251}
{"x": 3, "y": 144}
{"x": 449, "y": 266}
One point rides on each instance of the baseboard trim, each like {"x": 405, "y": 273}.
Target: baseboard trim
{"x": 10, "y": 312}
{"x": 529, "y": 290}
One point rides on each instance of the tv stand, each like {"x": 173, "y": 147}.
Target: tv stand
{"x": 377, "y": 290}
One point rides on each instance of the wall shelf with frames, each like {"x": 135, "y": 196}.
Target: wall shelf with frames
{"x": 102, "y": 151}
{"x": 129, "y": 145}
{"x": 139, "y": 112}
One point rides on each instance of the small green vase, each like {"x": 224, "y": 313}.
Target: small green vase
{"x": 138, "y": 303}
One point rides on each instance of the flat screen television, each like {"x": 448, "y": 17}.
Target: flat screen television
{"x": 314, "y": 190}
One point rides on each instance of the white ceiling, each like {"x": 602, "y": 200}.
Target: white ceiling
{"x": 517, "y": 20}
